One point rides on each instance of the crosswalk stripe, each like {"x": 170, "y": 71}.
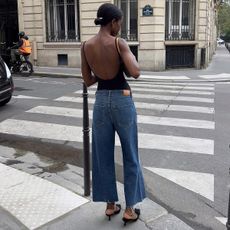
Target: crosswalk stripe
{"x": 201, "y": 183}
{"x": 172, "y": 91}
{"x": 223, "y": 220}
{"x": 142, "y": 119}
{"x": 216, "y": 76}
{"x": 74, "y": 133}
{"x": 142, "y": 105}
{"x": 174, "y": 98}
{"x": 164, "y": 77}
{"x": 178, "y": 122}
{"x": 28, "y": 97}
{"x": 59, "y": 111}
{"x": 171, "y": 83}
{"x": 162, "y": 97}
{"x": 185, "y": 87}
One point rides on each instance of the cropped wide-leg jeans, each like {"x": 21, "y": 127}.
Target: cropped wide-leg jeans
{"x": 115, "y": 112}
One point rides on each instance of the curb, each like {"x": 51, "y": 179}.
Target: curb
{"x": 57, "y": 75}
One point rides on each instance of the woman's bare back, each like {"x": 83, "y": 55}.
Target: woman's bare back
{"x": 102, "y": 56}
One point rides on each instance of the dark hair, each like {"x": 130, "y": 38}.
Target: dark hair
{"x": 106, "y": 13}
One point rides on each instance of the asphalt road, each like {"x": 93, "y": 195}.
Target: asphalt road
{"x": 185, "y": 166}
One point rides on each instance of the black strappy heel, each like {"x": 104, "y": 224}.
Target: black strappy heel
{"x": 115, "y": 212}
{"x": 127, "y": 220}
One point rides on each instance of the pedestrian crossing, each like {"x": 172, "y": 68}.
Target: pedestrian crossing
{"x": 161, "y": 107}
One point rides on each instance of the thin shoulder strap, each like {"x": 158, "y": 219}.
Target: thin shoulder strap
{"x": 117, "y": 45}
{"x": 83, "y": 47}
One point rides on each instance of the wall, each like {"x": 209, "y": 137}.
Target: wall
{"x": 152, "y": 36}
{"x": 206, "y": 30}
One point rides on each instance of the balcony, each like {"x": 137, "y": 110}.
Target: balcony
{"x": 179, "y": 33}
{"x": 180, "y": 20}
{"x": 129, "y": 36}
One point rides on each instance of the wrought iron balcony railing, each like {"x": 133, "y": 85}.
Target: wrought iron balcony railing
{"x": 179, "y": 33}
{"x": 129, "y": 36}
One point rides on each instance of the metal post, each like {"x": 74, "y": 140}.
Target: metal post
{"x": 228, "y": 221}
{"x": 86, "y": 142}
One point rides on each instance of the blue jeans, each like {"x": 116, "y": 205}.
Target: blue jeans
{"x": 114, "y": 112}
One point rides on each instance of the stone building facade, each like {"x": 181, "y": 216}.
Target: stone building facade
{"x": 161, "y": 33}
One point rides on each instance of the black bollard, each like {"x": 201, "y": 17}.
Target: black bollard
{"x": 228, "y": 221}
{"x": 86, "y": 142}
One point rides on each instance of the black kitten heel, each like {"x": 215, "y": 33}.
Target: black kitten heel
{"x": 116, "y": 211}
{"x": 130, "y": 220}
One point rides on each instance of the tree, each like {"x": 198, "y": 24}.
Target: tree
{"x": 224, "y": 21}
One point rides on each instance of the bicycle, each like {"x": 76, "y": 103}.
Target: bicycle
{"x": 21, "y": 65}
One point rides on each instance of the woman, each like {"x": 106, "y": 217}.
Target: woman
{"x": 104, "y": 58}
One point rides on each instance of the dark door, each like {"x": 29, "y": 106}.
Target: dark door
{"x": 179, "y": 56}
{"x": 8, "y": 25}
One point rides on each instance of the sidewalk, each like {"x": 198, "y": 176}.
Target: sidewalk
{"x": 40, "y": 193}
{"x": 218, "y": 70}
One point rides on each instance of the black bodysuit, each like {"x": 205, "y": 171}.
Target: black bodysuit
{"x": 118, "y": 82}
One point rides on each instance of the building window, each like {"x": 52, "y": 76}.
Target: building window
{"x": 180, "y": 19}
{"x": 62, "y": 20}
{"x": 130, "y": 16}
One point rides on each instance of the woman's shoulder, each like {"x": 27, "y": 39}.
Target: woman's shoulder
{"x": 122, "y": 43}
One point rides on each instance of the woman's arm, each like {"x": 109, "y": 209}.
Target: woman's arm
{"x": 129, "y": 59}
{"x": 88, "y": 78}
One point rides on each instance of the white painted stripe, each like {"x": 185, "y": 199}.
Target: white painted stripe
{"x": 169, "y": 121}
{"x": 28, "y": 97}
{"x": 223, "y": 83}
{"x": 74, "y": 133}
{"x": 163, "y": 77}
{"x": 173, "y": 87}
{"x": 217, "y": 76}
{"x": 171, "y": 83}
{"x": 201, "y": 183}
{"x": 173, "y": 98}
{"x": 142, "y": 105}
{"x": 166, "y": 121}
{"x": 33, "y": 200}
{"x": 162, "y": 97}
{"x": 176, "y": 143}
{"x": 41, "y": 130}
{"x": 59, "y": 111}
{"x": 193, "y": 109}
{"x": 223, "y": 220}
{"x": 172, "y": 91}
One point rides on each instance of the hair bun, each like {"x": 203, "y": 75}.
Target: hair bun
{"x": 98, "y": 21}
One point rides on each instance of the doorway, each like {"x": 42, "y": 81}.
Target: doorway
{"x": 180, "y": 56}
{"x": 8, "y": 25}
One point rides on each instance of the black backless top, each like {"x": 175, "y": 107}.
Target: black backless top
{"x": 118, "y": 82}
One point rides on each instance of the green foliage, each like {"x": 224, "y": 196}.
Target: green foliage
{"x": 224, "y": 21}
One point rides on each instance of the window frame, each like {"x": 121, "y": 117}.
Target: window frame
{"x": 56, "y": 30}
{"x": 180, "y": 27}
{"x": 128, "y": 20}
